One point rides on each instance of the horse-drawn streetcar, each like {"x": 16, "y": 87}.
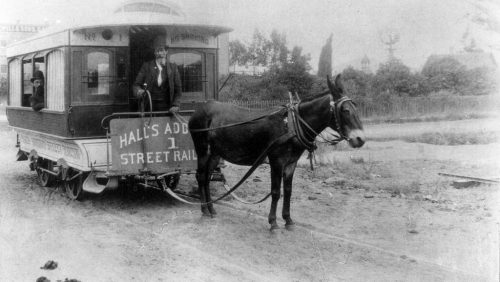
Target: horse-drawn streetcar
{"x": 89, "y": 134}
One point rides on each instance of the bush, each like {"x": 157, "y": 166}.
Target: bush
{"x": 3, "y": 89}
{"x": 446, "y": 73}
{"x": 478, "y": 81}
{"x": 356, "y": 82}
{"x": 395, "y": 78}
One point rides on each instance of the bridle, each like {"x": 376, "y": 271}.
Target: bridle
{"x": 334, "y": 111}
{"x": 335, "y": 107}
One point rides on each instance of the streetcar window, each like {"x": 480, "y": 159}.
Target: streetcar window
{"x": 40, "y": 64}
{"x": 98, "y": 76}
{"x": 15, "y": 82}
{"x": 27, "y": 86}
{"x": 191, "y": 70}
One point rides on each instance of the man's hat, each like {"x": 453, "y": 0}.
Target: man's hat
{"x": 37, "y": 75}
{"x": 160, "y": 41}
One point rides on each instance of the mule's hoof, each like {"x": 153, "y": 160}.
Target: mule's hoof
{"x": 205, "y": 211}
{"x": 290, "y": 227}
{"x": 274, "y": 226}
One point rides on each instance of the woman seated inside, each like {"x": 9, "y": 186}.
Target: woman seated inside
{"x": 36, "y": 100}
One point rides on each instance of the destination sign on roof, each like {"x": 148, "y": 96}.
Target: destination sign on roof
{"x": 191, "y": 39}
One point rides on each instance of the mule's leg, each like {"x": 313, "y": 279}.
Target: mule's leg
{"x": 276, "y": 176}
{"x": 287, "y": 194}
{"x": 212, "y": 164}
{"x": 202, "y": 151}
{"x": 201, "y": 177}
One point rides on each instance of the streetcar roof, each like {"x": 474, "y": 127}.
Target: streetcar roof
{"x": 130, "y": 14}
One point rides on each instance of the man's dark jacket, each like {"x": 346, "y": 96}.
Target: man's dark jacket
{"x": 171, "y": 86}
{"x": 36, "y": 100}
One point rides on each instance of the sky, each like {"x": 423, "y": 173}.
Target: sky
{"x": 425, "y": 27}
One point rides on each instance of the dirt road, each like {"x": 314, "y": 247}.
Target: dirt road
{"x": 380, "y": 219}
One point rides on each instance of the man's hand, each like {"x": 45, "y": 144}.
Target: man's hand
{"x": 174, "y": 109}
{"x": 140, "y": 93}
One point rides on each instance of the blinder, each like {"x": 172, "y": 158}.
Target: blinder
{"x": 335, "y": 107}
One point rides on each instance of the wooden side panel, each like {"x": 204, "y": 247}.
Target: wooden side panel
{"x": 85, "y": 121}
{"x": 47, "y": 122}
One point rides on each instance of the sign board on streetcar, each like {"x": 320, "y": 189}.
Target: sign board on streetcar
{"x": 158, "y": 145}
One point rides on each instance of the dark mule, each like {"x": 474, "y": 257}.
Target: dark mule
{"x": 243, "y": 143}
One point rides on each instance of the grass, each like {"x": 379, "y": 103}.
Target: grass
{"x": 448, "y": 138}
{"x": 428, "y": 118}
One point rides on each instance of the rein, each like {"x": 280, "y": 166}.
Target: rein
{"x": 295, "y": 130}
{"x": 257, "y": 162}
{"x": 234, "y": 124}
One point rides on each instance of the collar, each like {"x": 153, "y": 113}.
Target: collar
{"x": 158, "y": 65}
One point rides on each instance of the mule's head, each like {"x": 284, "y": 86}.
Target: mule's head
{"x": 345, "y": 119}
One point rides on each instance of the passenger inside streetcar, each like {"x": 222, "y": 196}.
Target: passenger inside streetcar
{"x": 37, "y": 99}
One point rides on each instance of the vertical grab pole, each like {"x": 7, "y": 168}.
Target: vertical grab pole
{"x": 108, "y": 141}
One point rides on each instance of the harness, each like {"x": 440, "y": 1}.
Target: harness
{"x": 294, "y": 121}
{"x": 308, "y": 139}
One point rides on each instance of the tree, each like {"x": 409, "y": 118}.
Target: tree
{"x": 259, "y": 49}
{"x": 444, "y": 73}
{"x": 238, "y": 53}
{"x": 356, "y": 82}
{"x": 3, "y": 89}
{"x": 278, "y": 49}
{"x": 287, "y": 70}
{"x": 394, "y": 78}
{"x": 294, "y": 74}
{"x": 325, "y": 59}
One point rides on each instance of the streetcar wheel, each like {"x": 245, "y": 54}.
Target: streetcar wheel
{"x": 74, "y": 188}
{"x": 172, "y": 181}
{"x": 46, "y": 179}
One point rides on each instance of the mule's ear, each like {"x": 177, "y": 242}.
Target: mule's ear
{"x": 329, "y": 83}
{"x": 338, "y": 83}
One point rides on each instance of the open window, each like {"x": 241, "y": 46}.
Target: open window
{"x": 39, "y": 62}
{"x": 27, "y": 90}
{"x": 28, "y": 65}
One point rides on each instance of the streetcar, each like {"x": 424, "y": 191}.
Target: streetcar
{"x": 90, "y": 136}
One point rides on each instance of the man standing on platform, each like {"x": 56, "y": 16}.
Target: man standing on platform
{"x": 162, "y": 80}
